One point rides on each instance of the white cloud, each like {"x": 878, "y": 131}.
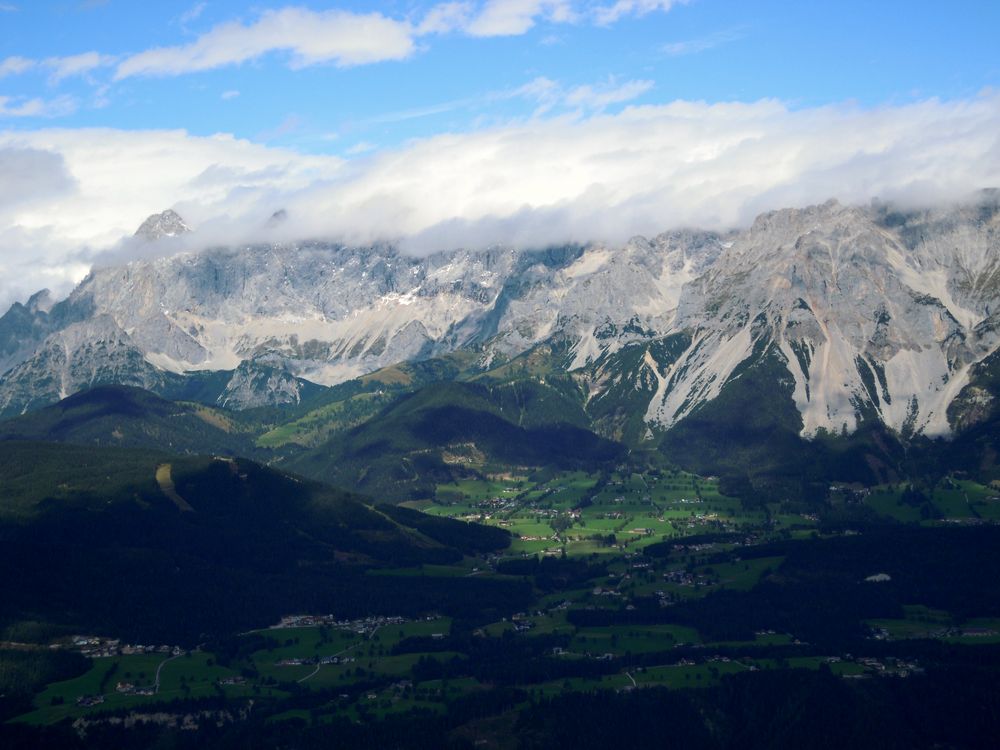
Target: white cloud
{"x": 61, "y": 67}
{"x": 347, "y": 39}
{"x": 693, "y": 46}
{"x": 514, "y": 17}
{"x": 193, "y": 13}
{"x": 546, "y": 92}
{"x": 29, "y": 174}
{"x": 608, "y": 14}
{"x": 445, "y": 17}
{"x": 231, "y": 94}
{"x": 550, "y": 94}
{"x": 15, "y": 65}
{"x": 360, "y": 148}
{"x": 310, "y": 37}
{"x": 7, "y": 8}
{"x": 602, "y": 96}
{"x": 543, "y": 180}
{"x": 101, "y": 97}
{"x": 416, "y": 113}
{"x": 80, "y": 191}
{"x": 37, "y": 107}
{"x": 539, "y": 88}
{"x": 75, "y": 65}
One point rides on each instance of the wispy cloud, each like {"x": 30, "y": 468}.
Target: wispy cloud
{"x": 193, "y": 13}
{"x": 549, "y": 94}
{"x": 75, "y": 65}
{"x": 310, "y": 37}
{"x": 7, "y": 8}
{"x": 102, "y": 97}
{"x": 37, "y": 107}
{"x": 345, "y": 38}
{"x": 602, "y": 96}
{"x": 546, "y": 94}
{"x": 543, "y": 90}
{"x": 445, "y": 17}
{"x": 416, "y": 113}
{"x": 231, "y": 94}
{"x": 15, "y": 65}
{"x": 701, "y": 44}
{"x": 60, "y": 67}
{"x": 515, "y": 17}
{"x": 290, "y": 123}
{"x": 363, "y": 147}
{"x": 608, "y": 14}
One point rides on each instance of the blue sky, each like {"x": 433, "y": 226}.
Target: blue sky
{"x": 805, "y": 54}
{"x": 473, "y": 122}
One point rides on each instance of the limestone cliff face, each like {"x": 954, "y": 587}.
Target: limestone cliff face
{"x": 875, "y": 314}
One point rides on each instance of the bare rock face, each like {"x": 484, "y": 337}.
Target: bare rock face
{"x": 80, "y": 356}
{"x": 868, "y": 321}
{"x": 166, "y": 224}
{"x": 262, "y": 381}
{"x": 874, "y": 314}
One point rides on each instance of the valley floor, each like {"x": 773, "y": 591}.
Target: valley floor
{"x": 640, "y": 581}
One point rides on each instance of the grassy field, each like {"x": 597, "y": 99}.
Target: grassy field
{"x": 324, "y": 421}
{"x": 191, "y": 675}
{"x": 580, "y": 512}
{"x": 948, "y": 500}
{"x": 621, "y": 640}
{"x": 601, "y": 524}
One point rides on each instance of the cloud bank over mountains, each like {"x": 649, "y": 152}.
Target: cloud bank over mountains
{"x": 68, "y": 197}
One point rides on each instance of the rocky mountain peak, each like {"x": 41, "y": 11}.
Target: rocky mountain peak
{"x": 40, "y": 302}
{"x": 867, "y": 312}
{"x": 166, "y": 224}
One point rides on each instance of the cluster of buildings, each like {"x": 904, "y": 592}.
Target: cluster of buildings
{"x": 361, "y": 626}
{"x": 97, "y": 647}
{"x": 129, "y": 688}
{"x": 888, "y": 667}
{"x": 310, "y": 661}
{"x": 521, "y": 622}
{"x": 686, "y": 549}
{"x": 944, "y": 631}
{"x": 498, "y": 504}
{"x": 684, "y": 578}
{"x": 600, "y": 591}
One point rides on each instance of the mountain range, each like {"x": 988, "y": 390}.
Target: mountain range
{"x": 824, "y": 322}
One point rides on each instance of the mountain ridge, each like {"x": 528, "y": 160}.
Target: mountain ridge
{"x": 876, "y": 315}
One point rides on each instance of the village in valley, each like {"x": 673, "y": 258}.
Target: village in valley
{"x": 610, "y": 558}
